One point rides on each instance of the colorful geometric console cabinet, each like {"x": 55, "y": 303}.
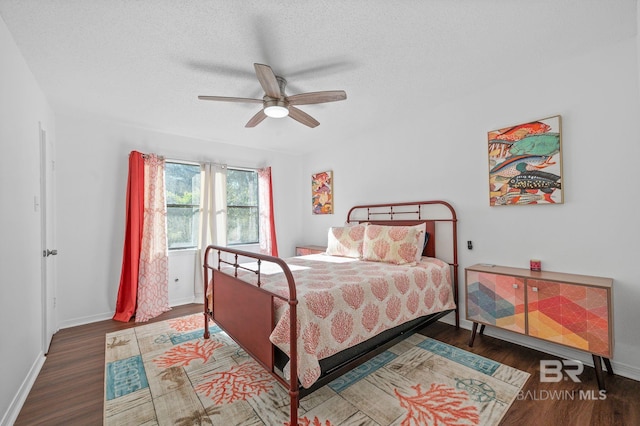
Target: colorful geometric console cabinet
{"x": 572, "y": 310}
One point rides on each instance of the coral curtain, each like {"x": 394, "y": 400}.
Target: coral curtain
{"x": 268, "y": 243}
{"x": 127, "y": 292}
{"x": 213, "y": 213}
{"x": 153, "y": 277}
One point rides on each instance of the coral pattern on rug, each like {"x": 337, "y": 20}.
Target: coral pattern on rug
{"x": 166, "y": 373}
{"x": 240, "y": 382}
{"x": 187, "y": 352}
{"x": 305, "y": 421}
{"x": 188, "y": 323}
{"x": 440, "y": 405}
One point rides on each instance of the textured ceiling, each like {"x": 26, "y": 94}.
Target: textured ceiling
{"x": 145, "y": 62}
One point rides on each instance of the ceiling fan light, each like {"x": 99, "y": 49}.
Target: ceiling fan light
{"x": 276, "y": 109}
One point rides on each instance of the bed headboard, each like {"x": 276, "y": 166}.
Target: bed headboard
{"x": 412, "y": 213}
{"x": 438, "y": 215}
{"x": 430, "y": 248}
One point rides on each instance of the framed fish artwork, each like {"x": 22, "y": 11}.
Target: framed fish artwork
{"x": 322, "y": 193}
{"x": 525, "y": 163}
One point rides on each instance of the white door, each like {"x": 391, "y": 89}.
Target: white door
{"x": 49, "y": 251}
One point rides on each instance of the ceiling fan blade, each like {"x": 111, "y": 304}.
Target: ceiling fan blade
{"x": 229, "y": 99}
{"x": 268, "y": 80}
{"x": 317, "y": 97}
{"x": 302, "y": 117}
{"x": 256, "y": 119}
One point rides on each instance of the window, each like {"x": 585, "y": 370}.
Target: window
{"x": 242, "y": 206}
{"x": 182, "y": 182}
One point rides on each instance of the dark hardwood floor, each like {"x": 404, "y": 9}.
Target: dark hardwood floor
{"x": 69, "y": 389}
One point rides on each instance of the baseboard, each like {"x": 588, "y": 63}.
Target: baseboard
{"x": 626, "y": 370}
{"x": 109, "y": 315}
{"x": 86, "y": 320}
{"x": 185, "y": 301}
{"x": 13, "y": 411}
{"x": 620, "y": 369}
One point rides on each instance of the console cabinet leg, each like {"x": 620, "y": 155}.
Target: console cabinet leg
{"x": 597, "y": 363}
{"x": 607, "y": 363}
{"x": 473, "y": 333}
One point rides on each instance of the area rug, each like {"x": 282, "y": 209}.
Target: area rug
{"x": 166, "y": 374}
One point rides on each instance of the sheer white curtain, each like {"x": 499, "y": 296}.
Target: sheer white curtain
{"x": 153, "y": 276}
{"x": 213, "y": 214}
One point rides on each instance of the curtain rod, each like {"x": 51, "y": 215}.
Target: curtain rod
{"x": 226, "y": 166}
{"x": 177, "y": 160}
{"x": 145, "y": 156}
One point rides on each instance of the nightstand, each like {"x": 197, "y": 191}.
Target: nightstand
{"x": 305, "y": 250}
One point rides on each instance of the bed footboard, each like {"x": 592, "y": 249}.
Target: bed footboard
{"x": 245, "y": 311}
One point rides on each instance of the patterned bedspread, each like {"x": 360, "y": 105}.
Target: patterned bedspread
{"x": 342, "y": 302}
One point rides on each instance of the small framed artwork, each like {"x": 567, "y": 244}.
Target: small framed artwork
{"x": 525, "y": 163}
{"x": 322, "y": 193}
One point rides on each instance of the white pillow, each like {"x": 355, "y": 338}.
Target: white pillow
{"x": 345, "y": 241}
{"x": 422, "y": 227}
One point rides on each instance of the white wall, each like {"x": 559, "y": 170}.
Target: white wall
{"x": 182, "y": 270}
{"x": 441, "y": 154}
{"x": 22, "y": 106}
{"x": 92, "y": 177}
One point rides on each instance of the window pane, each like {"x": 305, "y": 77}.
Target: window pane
{"x": 242, "y": 225}
{"x": 182, "y": 227}
{"x": 242, "y": 207}
{"x": 182, "y": 183}
{"x": 242, "y": 188}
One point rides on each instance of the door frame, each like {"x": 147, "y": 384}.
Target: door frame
{"x": 47, "y": 237}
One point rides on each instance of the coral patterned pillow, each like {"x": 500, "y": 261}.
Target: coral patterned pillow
{"x": 346, "y": 241}
{"x": 391, "y": 244}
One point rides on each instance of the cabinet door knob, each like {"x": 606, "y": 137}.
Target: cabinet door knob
{"x": 534, "y": 289}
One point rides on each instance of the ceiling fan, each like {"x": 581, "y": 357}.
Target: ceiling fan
{"x": 276, "y": 103}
